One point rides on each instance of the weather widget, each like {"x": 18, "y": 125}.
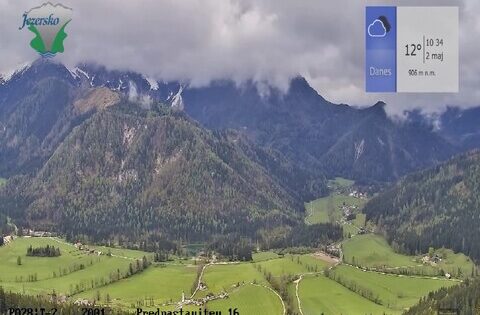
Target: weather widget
{"x": 411, "y": 49}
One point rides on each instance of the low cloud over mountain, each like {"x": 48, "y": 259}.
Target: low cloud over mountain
{"x": 263, "y": 40}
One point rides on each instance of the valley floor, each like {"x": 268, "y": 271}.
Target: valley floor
{"x": 369, "y": 278}
{"x": 319, "y": 282}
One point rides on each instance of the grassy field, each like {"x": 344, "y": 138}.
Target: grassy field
{"x": 310, "y": 260}
{"x": 165, "y": 283}
{"x": 160, "y": 283}
{"x": 319, "y": 294}
{"x": 249, "y": 299}
{"x": 328, "y": 209}
{"x": 394, "y": 292}
{"x": 44, "y": 267}
{"x": 59, "y": 273}
{"x": 288, "y": 265}
{"x": 291, "y": 292}
{"x": 262, "y": 256}
{"x": 452, "y": 262}
{"x": 223, "y": 278}
{"x": 122, "y": 252}
{"x": 373, "y": 251}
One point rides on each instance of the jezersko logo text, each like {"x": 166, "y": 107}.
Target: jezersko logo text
{"x": 48, "y": 23}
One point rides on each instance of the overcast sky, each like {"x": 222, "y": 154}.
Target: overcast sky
{"x": 264, "y": 40}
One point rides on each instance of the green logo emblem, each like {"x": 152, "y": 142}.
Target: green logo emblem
{"x": 48, "y": 23}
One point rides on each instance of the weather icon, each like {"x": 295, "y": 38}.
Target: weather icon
{"x": 379, "y": 27}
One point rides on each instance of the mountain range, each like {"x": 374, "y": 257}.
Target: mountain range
{"x": 103, "y": 152}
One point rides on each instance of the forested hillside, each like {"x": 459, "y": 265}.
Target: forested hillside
{"x": 437, "y": 207}
{"x": 127, "y": 172}
{"x": 39, "y": 107}
{"x": 464, "y": 298}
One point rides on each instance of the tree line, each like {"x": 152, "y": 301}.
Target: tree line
{"x": 46, "y": 251}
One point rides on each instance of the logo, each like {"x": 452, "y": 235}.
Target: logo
{"x": 48, "y": 23}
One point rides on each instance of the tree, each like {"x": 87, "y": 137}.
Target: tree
{"x": 131, "y": 271}
{"x": 19, "y": 260}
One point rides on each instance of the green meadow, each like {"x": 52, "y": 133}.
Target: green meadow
{"x": 261, "y": 256}
{"x": 288, "y": 265}
{"x": 225, "y": 278}
{"x": 74, "y": 270}
{"x": 249, "y": 299}
{"x": 395, "y": 292}
{"x": 329, "y": 209}
{"x": 311, "y": 261}
{"x": 371, "y": 250}
{"x": 160, "y": 283}
{"x": 43, "y": 267}
{"x": 318, "y": 295}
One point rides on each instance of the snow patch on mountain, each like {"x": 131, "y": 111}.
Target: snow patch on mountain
{"x": 177, "y": 101}
{"x": 152, "y": 82}
{"x": 78, "y": 70}
{"x": 359, "y": 149}
{"x": 73, "y": 73}
{"x": 8, "y": 75}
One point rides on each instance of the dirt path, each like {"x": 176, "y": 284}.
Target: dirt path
{"x": 297, "y": 283}
{"x": 199, "y": 281}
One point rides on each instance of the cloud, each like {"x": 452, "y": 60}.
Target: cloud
{"x": 377, "y": 29}
{"x": 268, "y": 41}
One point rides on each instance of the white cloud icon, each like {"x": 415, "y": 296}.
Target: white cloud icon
{"x": 377, "y": 29}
